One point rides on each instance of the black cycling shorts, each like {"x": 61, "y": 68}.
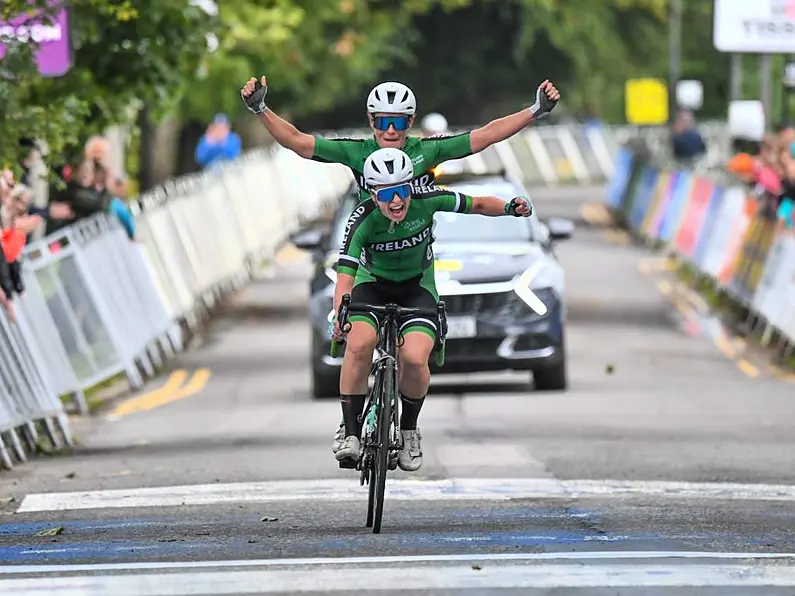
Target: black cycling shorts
{"x": 411, "y": 293}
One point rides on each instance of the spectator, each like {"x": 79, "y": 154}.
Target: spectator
{"x": 218, "y": 144}
{"x": 86, "y": 194}
{"x": 16, "y": 210}
{"x": 118, "y": 204}
{"x": 17, "y": 226}
{"x": 27, "y": 162}
{"x": 786, "y": 214}
{"x": 786, "y": 134}
{"x": 688, "y": 144}
{"x": 96, "y": 150}
{"x": 27, "y": 216}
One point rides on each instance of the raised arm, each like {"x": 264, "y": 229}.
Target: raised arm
{"x": 456, "y": 202}
{"x": 504, "y": 128}
{"x": 284, "y": 133}
{"x": 496, "y": 207}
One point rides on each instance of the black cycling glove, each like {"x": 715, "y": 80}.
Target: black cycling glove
{"x": 510, "y": 207}
{"x": 256, "y": 101}
{"x": 543, "y": 105}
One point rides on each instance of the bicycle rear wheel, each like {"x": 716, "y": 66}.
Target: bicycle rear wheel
{"x": 381, "y": 459}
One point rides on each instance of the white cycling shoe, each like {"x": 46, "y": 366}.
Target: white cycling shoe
{"x": 410, "y": 457}
{"x": 339, "y": 438}
{"x": 351, "y": 450}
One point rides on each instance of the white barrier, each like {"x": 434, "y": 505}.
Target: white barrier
{"x": 97, "y": 304}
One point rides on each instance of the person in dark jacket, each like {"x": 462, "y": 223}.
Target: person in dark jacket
{"x": 688, "y": 144}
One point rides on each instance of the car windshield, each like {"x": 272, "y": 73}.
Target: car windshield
{"x": 456, "y": 227}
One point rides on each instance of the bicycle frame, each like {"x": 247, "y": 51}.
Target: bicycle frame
{"x": 386, "y": 348}
{"x": 380, "y": 436}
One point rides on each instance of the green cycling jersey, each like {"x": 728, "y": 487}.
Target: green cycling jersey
{"x": 375, "y": 247}
{"x": 425, "y": 154}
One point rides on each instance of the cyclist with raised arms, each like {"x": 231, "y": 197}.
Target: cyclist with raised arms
{"x": 386, "y": 256}
{"x": 391, "y": 109}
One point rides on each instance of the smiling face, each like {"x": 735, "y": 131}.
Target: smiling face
{"x": 393, "y": 200}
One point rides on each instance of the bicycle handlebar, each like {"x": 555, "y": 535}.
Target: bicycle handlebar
{"x": 347, "y": 308}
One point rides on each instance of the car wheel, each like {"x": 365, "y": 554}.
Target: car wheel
{"x": 325, "y": 385}
{"x": 552, "y": 379}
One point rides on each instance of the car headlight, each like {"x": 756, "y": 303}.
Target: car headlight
{"x": 540, "y": 276}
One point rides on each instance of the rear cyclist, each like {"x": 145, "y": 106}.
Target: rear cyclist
{"x": 386, "y": 256}
{"x": 391, "y": 109}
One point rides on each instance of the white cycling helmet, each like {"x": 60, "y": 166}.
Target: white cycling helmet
{"x": 391, "y": 98}
{"x": 387, "y": 166}
{"x": 434, "y": 124}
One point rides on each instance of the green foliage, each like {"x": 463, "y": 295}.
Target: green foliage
{"x": 487, "y": 57}
{"x": 125, "y": 53}
{"x": 322, "y": 56}
{"x": 315, "y": 53}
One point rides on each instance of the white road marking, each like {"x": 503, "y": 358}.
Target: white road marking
{"x": 437, "y": 577}
{"x": 383, "y": 560}
{"x": 475, "y": 489}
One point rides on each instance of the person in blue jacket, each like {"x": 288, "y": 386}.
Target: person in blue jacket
{"x": 118, "y": 205}
{"x": 218, "y": 144}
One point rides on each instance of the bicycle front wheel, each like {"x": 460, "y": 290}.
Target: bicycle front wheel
{"x": 381, "y": 461}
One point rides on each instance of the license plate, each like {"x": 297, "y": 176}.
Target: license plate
{"x": 458, "y": 327}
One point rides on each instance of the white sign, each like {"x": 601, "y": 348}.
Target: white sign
{"x": 690, "y": 95}
{"x": 754, "y": 26}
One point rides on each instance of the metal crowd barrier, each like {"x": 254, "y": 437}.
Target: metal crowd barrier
{"x": 725, "y": 231}
{"x": 97, "y": 305}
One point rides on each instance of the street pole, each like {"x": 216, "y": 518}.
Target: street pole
{"x": 737, "y": 77}
{"x": 766, "y": 85}
{"x": 674, "y": 54}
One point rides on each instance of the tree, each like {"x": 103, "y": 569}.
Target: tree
{"x": 315, "y": 53}
{"x": 125, "y": 53}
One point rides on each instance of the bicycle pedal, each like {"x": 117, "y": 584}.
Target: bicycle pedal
{"x": 347, "y": 464}
{"x": 392, "y": 463}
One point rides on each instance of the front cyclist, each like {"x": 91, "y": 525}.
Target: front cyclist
{"x": 387, "y": 257}
{"x": 391, "y": 108}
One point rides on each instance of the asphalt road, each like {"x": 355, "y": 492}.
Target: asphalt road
{"x": 669, "y": 476}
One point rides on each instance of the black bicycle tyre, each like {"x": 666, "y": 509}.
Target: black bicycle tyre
{"x": 371, "y": 470}
{"x": 381, "y": 459}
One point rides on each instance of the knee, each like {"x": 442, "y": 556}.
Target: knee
{"x": 359, "y": 347}
{"x": 414, "y": 359}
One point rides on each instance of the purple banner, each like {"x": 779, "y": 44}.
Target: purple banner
{"x": 53, "y": 58}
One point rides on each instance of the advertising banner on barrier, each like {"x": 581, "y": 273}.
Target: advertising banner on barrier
{"x": 710, "y": 217}
{"x": 658, "y": 219}
{"x": 693, "y": 218}
{"x": 737, "y": 238}
{"x": 653, "y": 220}
{"x": 676, "y": 206}
{"x": 752, "y": 258}
{"x": 767, "y": 300}
{"x": 729, "y": 212}
{"x": 786, "y": 322}
{"x": 643, "y": 196}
